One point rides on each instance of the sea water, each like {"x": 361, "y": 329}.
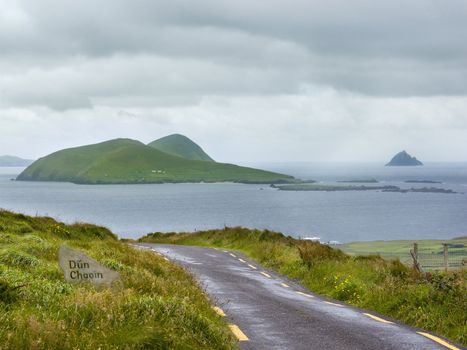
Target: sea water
{"x": 134, "y": 210}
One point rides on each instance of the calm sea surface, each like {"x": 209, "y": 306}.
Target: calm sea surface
{"x": 133, "y": 210}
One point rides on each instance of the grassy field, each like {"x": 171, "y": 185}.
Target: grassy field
{"x": 159, "y": 307}
{"x": 434, "y": 301}
{"x": 402, "y": 247}
{"x": 430, "y": 252}
{"x": 129, "y": 161}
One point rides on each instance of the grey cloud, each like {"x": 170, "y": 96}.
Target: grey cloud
{"x": 134, "y": 80}
{"x": 278, "y": 79}
{"x": 316, "y": 124}
{"x": 393, "y": 48}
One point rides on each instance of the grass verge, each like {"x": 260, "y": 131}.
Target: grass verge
{"x": 435, "y": 301}
{"x": 160, "y": 306}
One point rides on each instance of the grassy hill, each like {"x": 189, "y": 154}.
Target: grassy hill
{"x": 159, "y": 307}
{"x": 434, "y": 301}
{"x": 181, "y": 146}
{"x": 130, "y": 161}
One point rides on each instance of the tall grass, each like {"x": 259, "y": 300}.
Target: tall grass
{"x": 160, "y": 306}
{"x": 435, "y": 301}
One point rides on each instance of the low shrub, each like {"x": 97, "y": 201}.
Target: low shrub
{"x": 313, "y": 252}
{"x": 17, "y": 258}
{"x": 8, "y": 294}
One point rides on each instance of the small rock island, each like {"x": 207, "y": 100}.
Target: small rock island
{"x": 404, "y": 159}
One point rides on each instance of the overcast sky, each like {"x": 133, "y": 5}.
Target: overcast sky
{"x": 261, "y": 80}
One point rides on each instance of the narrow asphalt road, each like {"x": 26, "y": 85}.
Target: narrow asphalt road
{"x": 272, "y": 312}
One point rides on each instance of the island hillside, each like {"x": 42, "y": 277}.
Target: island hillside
{"x": 6, "y": 161}
{"x": 403, "y": 159}
{"x": 181, "y": 146}
{"x": 126, "y": 161}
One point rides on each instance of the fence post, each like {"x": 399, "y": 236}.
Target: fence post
{"x": 445, "y": 252}
{"x": 414, "y": 254}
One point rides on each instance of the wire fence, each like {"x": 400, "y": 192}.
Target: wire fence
{"x": 442, "y": 258}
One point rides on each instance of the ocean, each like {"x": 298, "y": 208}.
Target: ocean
{"x": 134, "y": 210}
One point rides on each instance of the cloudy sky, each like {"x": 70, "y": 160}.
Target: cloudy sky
{"x": 261, "y": 80}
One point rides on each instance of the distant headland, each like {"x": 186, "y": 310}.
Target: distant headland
{"x": 12, "y": 161}
{"x": 404, "y": 159}
{"x": 172, "y": 159}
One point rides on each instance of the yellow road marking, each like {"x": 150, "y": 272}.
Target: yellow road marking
{"x": 241, "y": 260}
{"x": 253, "y": 267}
{"x": 233, "y": 255}
{"x": 439, "y": 340}
{"x": 376, "y": 318}
{"x": 219, "y": 311}
{"x": 285, "y": 285}
{"x": 265, "y": 274}
{"x": 339, "y": 305}
{"x": 238, "y": 333}
{"x": 306, "y": 295}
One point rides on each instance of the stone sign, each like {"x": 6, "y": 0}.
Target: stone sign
{"x": 78, "y": 267}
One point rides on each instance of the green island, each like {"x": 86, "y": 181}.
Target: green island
{"x": 330, "y": 188}
{"x": 367, "y": 181}
{"x": 126, "y": 161}
{"x": 299, "y": 186}
{"x": 434, "y": 301}
{"x": 159, "y": 307}
{"x": 422, "y": 182}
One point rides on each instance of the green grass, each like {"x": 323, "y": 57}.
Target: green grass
{"x": 433, "y": 301}
{"x": 130, "y": 161}
{"x": 181, "y": 146}
{"x": 159, "y": 307}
